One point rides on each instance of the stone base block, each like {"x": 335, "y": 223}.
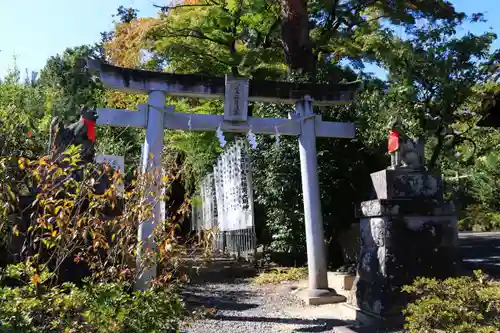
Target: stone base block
{"x": 320, "y": 297}
{"x": 340, "y": 281}
{"x": 396, "y": 249}
{"x": 407, "y": 184}
{"x": 405, "y": 207}
{"x": 410, "y": 231}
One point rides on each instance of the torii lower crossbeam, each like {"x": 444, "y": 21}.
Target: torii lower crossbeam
{"x": 209, "y": 123}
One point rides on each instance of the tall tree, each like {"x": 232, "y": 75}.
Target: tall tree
{"x": 69, "y": 83}
{"x": 308, "y": 28}
{"x": 433, "y": 75}
{"x": 257, "y": 39}
{"x": 297, "y": 45}
{"x": 23, "y": 116}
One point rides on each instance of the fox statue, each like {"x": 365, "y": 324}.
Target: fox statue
{"x": 405, "y": 152}
{"x": 81, "y": 133}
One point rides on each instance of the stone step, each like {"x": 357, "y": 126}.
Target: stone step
{"x": 342, "y": 283}
{"x": 341, "y": 280}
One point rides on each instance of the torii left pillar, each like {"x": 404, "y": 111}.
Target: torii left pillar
{"x": 151, "y": 163}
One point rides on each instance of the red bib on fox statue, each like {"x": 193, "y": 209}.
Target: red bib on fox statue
{"x": 81, "y": 133}
{"x": 393, "y": 143}
{"x": 90, "y": 126}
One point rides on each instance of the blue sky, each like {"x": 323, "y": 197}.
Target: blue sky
{"x": 34, "y": 30}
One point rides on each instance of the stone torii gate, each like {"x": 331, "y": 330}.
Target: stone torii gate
{"x": 236, "y": 92}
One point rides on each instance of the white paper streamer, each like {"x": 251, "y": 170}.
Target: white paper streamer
{"x": 277, "y": 136}
{"x": 226, "y": 204}
{"x": 221, "y": 137}
{"x": 251, "y": 139}
{"x": 232, "y": 184}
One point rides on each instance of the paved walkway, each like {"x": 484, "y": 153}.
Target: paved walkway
{"x": 481, "y": 251}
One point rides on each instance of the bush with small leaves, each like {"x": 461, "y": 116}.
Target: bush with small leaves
{"x": 73, "y": 223}
{"x": 458, "y": 305}
{"x": 34, "y": 306}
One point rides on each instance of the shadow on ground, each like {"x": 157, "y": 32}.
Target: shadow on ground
{"x": 320, "y": 324}
{"x": 369, "y": 329}
{"x": 196, "y": 297}
{"x": 204, "y": 289}
{"x": 220, "y": 271}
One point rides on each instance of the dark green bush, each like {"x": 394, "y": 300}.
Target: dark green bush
{"x": 458, "y": 305}
{"x": 96, "y": 307}
{"x": 482, "y": 213}
{"x": 480, "y": 218}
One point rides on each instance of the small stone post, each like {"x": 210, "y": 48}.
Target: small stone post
{"x": 407, "y": 232}
{"x": 151, "y": 162}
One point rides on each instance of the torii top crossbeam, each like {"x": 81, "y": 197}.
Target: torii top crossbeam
{"x": 204, "y": 86}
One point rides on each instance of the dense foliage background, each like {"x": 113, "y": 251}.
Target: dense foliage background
{"x": 438, "y": 80}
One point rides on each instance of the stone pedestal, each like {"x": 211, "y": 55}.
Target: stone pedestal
{"x": 409, "y": 231}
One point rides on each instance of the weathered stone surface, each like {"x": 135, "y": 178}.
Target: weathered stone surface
{"x": 325, "y": 297}
{"x": 376, "y": 297}
{"x": 396, "y": 207}
{"x": 396, "y": 250}
{"x": 204, "y": 86}
{"x": 406, "y": 184}
{"x": 407, "y": 233}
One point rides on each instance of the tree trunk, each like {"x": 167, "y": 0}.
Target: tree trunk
{"x": 437, "y": 150}
{"x": 295, "y": 35}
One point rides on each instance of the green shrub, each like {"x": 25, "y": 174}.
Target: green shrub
{"x": 480, "y": 218}
{"x": 281, "y": 274}
{"x": 95, "y": 307}
{"x": 455, "y": 305}
{"x": 69, "y": 225}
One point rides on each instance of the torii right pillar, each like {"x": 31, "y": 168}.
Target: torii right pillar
{"x": 409, "y": 231}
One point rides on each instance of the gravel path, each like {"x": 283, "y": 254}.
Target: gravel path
{"x": 243, "y": 307}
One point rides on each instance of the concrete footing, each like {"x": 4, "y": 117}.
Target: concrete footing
{"x": 340, "y": 285}
{"x": 320, "y": 297}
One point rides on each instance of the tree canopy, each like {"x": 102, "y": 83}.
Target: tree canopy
{"x": 437, "y": 82}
